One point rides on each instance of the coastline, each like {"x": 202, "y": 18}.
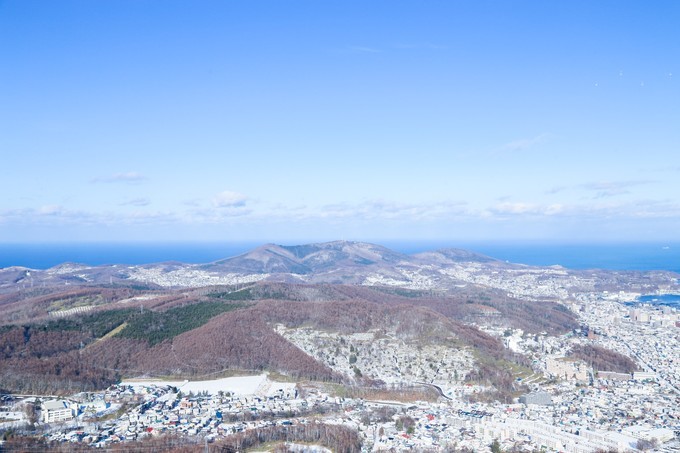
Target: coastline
{"x": 640, "y": 256}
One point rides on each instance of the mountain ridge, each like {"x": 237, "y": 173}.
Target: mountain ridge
{"x": 342, "y": 262}
{"x": 308, "y": 258}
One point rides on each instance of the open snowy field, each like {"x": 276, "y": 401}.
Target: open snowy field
{"x": 239, "y": 385}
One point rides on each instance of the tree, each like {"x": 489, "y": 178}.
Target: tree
{"x": 644, "y": 444}
{"x": 31, "y": 413}
{"x": 496, "y": 446}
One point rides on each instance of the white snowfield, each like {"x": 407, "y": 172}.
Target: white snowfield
{"x": 239, "y": 385}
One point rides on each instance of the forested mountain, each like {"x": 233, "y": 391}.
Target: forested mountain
{"x": 80, "y": 327}
{"x": 214, "y": 329}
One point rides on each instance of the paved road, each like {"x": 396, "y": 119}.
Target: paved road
{"x": 437, "y": 388}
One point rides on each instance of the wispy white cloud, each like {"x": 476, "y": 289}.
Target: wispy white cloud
{"x": 223, "y": 206}
{"x": 514, "y": 208}
{"x": 606, "y": 189}
{"x": 229, "y": 199}
{"x": 213, "y": 216}
{"x": 288, "y": 208}
{"x": 368, "y": 210}
{"x": 55, "y": 215}
{"x": 448, "y": 211}
{"x": 522, "y": 144}
{"x": 128, "y": 177}
{"x": 603, "y": 210}
{"x": 555, "y": 190}
{"x": 50, "y": 210}
{"x": 380, "y": 209}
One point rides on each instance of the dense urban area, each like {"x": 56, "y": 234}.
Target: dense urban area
{"x": 451, "y": 354}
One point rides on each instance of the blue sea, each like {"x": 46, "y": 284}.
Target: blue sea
{"x": 43, "y": 256}
{"x": 671, "y": 300}
{"x": 636, "y": 256}
{"x": 611, "y": 256}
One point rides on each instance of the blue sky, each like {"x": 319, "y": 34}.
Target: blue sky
{"x": 306, "y": 120}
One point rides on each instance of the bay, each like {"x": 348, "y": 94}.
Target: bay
{"x": 623, "y": 256}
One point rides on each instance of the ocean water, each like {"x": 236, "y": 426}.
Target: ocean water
{"x": 611, "y": 256}
{"x": 637, "y": 256}
{"x": 44, "y": 256}
{"x": 671, "y": 300}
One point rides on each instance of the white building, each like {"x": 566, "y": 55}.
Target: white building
{"x": 644, "y": 375}
{"x": 57, "y": 411}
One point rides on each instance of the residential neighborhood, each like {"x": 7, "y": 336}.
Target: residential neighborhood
{"x": 572, "y": 407}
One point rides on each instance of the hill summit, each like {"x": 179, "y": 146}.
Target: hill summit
{"x": 308, "y": 259}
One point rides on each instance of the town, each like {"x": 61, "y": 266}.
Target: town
{"x": 570, "y": 407}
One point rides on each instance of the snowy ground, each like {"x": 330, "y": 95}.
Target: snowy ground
{"x": 240, "y": 385}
